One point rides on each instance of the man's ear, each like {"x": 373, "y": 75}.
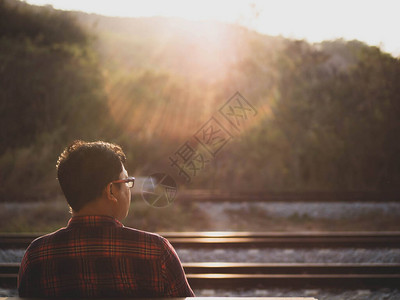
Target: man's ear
{"x": 109, "y": 192}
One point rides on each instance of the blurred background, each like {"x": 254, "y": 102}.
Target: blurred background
{"x": 324, "y": 79}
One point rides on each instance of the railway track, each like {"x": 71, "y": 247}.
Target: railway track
{"x": 207, "y": 196}
{"x": 386, "y": 239}
{"x": 246, "y": 275}
{"x": 212, "y": 275}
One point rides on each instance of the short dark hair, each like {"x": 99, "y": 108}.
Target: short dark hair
{"x": 85, "y": 168}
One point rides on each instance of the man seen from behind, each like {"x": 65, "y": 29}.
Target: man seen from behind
{"x": 95, "y": 255}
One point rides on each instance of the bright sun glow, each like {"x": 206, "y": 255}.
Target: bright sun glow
{"x": 374, "y": 22}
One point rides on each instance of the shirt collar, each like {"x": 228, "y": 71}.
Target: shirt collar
{"x": 94, "y": 221}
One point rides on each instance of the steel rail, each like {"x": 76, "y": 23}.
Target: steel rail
{"x": 228, "y": 275}
{"x": 267, "y": 268}
{"x": 387, "y": 239}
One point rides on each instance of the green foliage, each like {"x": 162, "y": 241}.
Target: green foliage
{"x": 334, "y": 123}
{"x": 328, "y": 114}
{"x": 44, "y": 25}
{"x": 50, "y": 93}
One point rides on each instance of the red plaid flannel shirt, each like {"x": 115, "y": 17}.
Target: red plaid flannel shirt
{"x": 96, "y": 256}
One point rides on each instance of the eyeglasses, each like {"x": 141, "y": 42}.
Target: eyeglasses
{"x": 130, "y": 181}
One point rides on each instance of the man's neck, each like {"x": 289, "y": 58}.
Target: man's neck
{"x": 94, "y": 208}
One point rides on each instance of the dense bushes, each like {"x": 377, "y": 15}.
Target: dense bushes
{"x": 50, "y": 92}
{"x": 328, "y": 114}
{"x": 334, "y": 121}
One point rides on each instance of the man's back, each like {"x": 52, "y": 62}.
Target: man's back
{"x": 95, "y": 256}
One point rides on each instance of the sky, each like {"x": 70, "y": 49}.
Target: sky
{"x": 373, "y": 22}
